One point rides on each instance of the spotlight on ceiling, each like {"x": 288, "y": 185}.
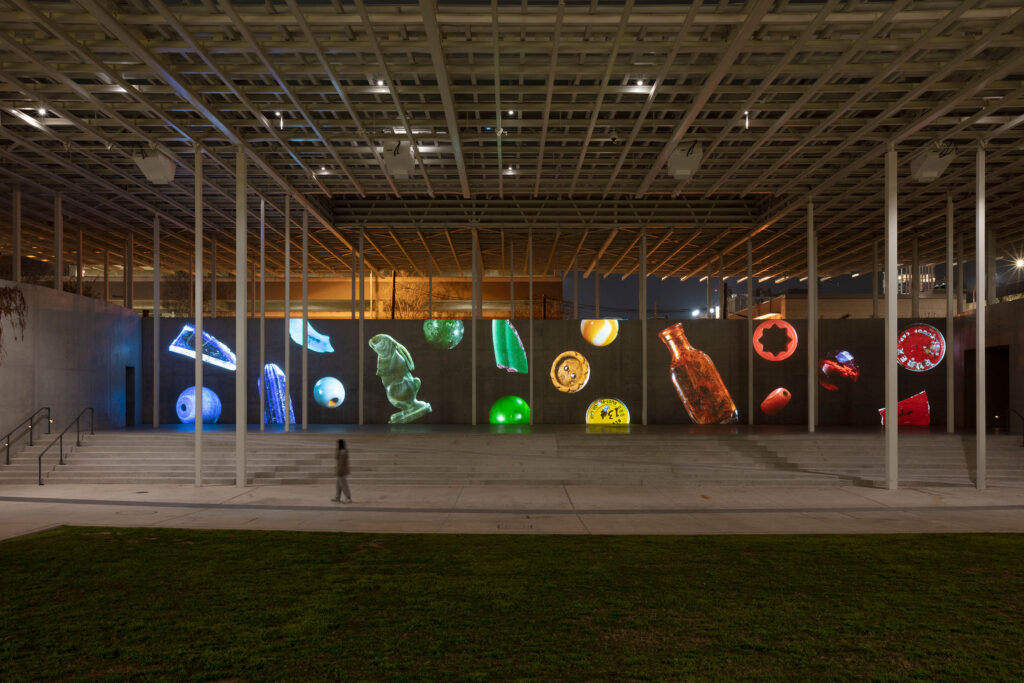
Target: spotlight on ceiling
{"x": 685, "y": 161}
{"x": 930, "y": 166}
{"x": 157, "y": 168}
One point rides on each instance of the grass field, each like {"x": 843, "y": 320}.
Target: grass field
{"x": 111, "y": 604}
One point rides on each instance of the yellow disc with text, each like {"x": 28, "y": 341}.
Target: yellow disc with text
{"x": 607, "y": 411}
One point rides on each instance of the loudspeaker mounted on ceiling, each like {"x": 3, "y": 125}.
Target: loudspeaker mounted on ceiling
{"x": 399, "y": 161}
{"x": 685, "y": 161}
{"x": 157, "y": 168}
{"x": 929, "y": 167}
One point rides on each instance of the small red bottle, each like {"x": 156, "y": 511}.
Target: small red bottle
{"x": 697, "y": 381}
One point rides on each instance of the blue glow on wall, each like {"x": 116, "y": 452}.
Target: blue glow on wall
{"x": 318, "y": 343}
{"x": 215, "y": 352}
{"x": 274, "y": 398}
{"x": 185, "y": 406}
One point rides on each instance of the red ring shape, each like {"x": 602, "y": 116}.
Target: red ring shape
{"x": 920, "y": 348}
{"x": 768, "y": 355}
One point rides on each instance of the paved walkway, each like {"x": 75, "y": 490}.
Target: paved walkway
{"x": 518, "y": 509}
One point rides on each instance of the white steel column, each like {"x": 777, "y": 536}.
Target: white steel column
{"x": 891, "y": 299}
{"x": 643, "y": 324}
{"x": 950, "y": 404}
{"x": 213, "y": 274}
{"x": 129, "y": 272}
{"x": 287, "y": 311}
{"x": 352, "y": 283}
{"x": 812, "y": 320}
{"x": 477, "y": 305}
{"x": 58, "y": 243}
{"x": 305, "y": 319}
{"x": 979, "y": 320}
{"x": 362, "y": 317}
{"x": 263, "y": 312}
{"x": 241, "y": 251}
{"x": 750, "y": 332}
{"x": 16, "y": 235}
{"x": 198, "y": 312}
{"x": 79, "y": 263}
{"x": 529, "y": 257}
{"x": 915, "y": 281}
{"x": 156, "y": 318}
{"x": 874, "y": 280}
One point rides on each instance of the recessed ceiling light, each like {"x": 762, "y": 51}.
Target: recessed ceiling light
{"x": 42, "y": 111}
{"x": 511, "y": 112}
{"x": 380, "y": 81}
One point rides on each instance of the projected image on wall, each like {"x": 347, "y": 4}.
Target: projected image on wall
{"x": 277, "y": 402}
{"x": 443, "y": 333}
{"x": 838, "y": 371}
{"x": 570, "y": 372}
{"x": 913, "y": 411}
{"x": 329, "y": 392}
{"x": 214, "y": 351}
{"x": 607, "y": 411}
{"x": 775, "y": 340}
{"x": 509, "y": 352}
{"x": 920, "y": 348}
{"x": 600, "y": 332}
{"x": 395, "y": 367}
{"x": 315, "y": 342}
{"x": 185, "y": 406}
{"x": 510, "y": 410}
{"x": 696, "y": 380}
{"x": 776, "y": 400}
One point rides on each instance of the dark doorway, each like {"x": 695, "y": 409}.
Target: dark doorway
{"x": 129, "y": 396}
{"x": 997, "y": 388}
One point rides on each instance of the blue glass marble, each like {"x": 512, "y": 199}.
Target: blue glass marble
{"x": 185, "y": 406}
{"x": 329, "y": 392}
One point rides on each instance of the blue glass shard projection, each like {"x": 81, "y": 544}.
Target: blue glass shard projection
{"x": 318, "y": 343}
{"x": 215, "y": 352}
{"x": 274, "y": 398}
{"x": 185, "y": 406}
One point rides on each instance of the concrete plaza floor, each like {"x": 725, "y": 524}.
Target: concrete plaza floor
{"x": 518, "y": 509}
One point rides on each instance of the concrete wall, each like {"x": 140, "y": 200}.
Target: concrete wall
{"x": 73, "y": 355}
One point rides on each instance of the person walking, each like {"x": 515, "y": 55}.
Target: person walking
{"x": 341, "y": 470}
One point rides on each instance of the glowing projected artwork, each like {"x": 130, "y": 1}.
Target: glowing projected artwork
{"x": 775, "y": 401}
{"x": 317, "y": 343}
{"x": 920, "y": 348}
{"x": 329, "y": 392}
{"x": 509, "y": 352}
{"x": 696, "y": 379}
{"x": 214, "y": 351}
{"x": 775, "y": 340}
{"x": 185, "y": 406}
{"x": 600, "y": 332}
{"x": 838, "y": 370}
{"x": 394, "y": 367}
{"x": 570, "y": 372}
{"x": 275, "y": 399}
{"x": 913, "y": 411}
{"x": 607, "y": 411}
{"x": 510, "y": 410}
{"x": 443, "y": 333}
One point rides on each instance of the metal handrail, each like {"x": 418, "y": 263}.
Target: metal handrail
{"x": 1021, "y": 426}
{"x": 31, "y": 419}
{"x": 60, "y": 438}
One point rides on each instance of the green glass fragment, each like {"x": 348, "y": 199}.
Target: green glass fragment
{"x": 510, "y": 410}
{"x": 443, "y": 333}
{"x": 394, "y": 367}
{"x": 509, "y": 352}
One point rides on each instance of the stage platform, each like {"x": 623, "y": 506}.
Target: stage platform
{"x": 657, "y": 455}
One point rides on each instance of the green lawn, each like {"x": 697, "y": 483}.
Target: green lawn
{"x": 111, "y": 604}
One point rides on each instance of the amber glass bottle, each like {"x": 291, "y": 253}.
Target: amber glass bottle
{"x": 697, "y": 381}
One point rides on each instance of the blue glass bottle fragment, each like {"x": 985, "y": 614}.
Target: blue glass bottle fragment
{"x": 215, "y": 352}
{"x": 318, "y": 343}
{"x": 274, "y": 398}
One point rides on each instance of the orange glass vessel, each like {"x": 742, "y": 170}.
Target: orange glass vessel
{"x": 697, "y": 381}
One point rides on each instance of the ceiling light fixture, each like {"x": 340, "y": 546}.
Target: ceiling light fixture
{"x": 280, "y": 119}
{"x": 1019, "y": 263}
{"x": 42, "y": 111}
{"x": 511, "y": 112}
{"x": 746, "y": 120}
{"x": 380, "y": 81}
{"x": 640, "y": 81}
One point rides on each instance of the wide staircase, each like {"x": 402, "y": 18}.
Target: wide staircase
{"x": 655, "y": 458}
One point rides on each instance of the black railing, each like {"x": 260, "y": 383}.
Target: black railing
{"x": 1021, "y": 426}
{"x": 31, "y": 420}
{"x": 60, "y": 438}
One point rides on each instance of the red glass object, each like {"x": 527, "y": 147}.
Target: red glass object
{"x": 913, "y": 411}
{"x": 776, "y": 401}
{"x": 838, "y": 370}
{"x": 775, "y": 340}
{"x": 920, "y": 348}
{"x": 697, "y": 381}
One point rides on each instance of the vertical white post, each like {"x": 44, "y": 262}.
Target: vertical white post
{"x": 58, "y": 243}
{"x": 288, "y": 313}
{"x": 362, "y": 316}
{"x": 915, "y": 281}
{"x": 80, "y": 265}
{"x": 263, "y": 312}
{"x": 750, "y": 332}
{"x": 129, "y": 271}
{"x": 213, "y": 274}
{"x": 950, "y": 403}
{"x": 990, "y": 267}
{"x": 16, "y": 236}
{"x": 241, "y": 342}
{"x": 198, "y": 312}
{"x": 979, "y": 321}
{"x": 352, "y": 283}
{"x": 643, "y": 325}
{"x": 891, "y": 299}
{"x": 874, "y": 280}
{"x": 476, "y": 314}
{"x": 156, "y": 319}
{"x": 529, "y": 260}
{"x": 812, "y": 320}
{"x": 305, "y": 319}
